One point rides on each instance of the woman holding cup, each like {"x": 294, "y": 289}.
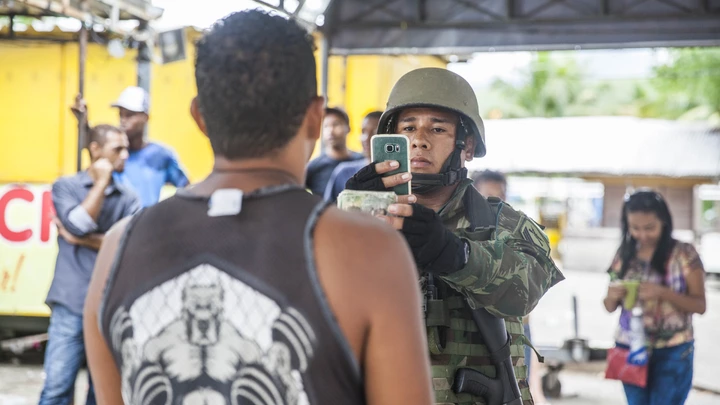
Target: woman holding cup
{"x": 661, "y": 282}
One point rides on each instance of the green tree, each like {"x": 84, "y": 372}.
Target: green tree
{"x": 688, "y": 85}
{"x": 554, "y": 86}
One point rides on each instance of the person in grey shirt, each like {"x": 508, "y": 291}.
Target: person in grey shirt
{"x": 86, "y": 206}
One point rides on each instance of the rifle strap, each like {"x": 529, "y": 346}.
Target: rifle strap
{"x": 503, "y": 353}
{"x": 527, "y": 343}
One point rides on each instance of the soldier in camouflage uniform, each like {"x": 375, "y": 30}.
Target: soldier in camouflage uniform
{"x": 474, "y": 252}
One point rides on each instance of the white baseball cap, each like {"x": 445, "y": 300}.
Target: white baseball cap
{"x": 134, "y": 99}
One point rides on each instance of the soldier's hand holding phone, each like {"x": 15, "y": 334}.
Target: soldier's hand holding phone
{"x": 436, "y": 250}
{"x": 370, "y": 178}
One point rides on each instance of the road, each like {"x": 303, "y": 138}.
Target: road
{"x": 551, "y": 323}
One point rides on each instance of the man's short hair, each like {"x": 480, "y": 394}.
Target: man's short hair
{"x": 375, "y": 115}
{"x": 256, "y": 78}
{"x": 489, "y": 175}
{"x": 98, "y": 134}
{"x": 339, "y": 113}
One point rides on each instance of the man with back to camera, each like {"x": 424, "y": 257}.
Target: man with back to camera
{"x": 471, "y": 252}
{"x": 86, "y": 206}
{"x": 150, "y": 165}
{"x": 335, "y": 129}
{"x": 249, "y": 250}
{"x": 344, "y": 171}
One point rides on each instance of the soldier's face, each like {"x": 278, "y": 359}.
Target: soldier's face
{"x": 432, "y": 137}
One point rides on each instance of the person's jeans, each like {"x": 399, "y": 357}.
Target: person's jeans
{"x": 64, "y": 355}
{"x": 670, "y": 375}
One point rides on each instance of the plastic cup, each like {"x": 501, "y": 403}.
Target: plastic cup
{"x": 632, "y": 291}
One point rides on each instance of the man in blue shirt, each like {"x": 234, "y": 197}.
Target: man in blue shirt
{"x": 344, "y": 171}
{"x": 336, "y": 126}
{"x": 150, "y": 165}
{"x": 86, "y": 206}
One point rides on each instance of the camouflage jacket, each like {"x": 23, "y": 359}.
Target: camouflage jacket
{"x": 509, "y": 269}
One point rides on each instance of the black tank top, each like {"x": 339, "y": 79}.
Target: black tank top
{"x": 226, "y": 309}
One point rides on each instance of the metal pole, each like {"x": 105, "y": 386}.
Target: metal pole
{"x": 144, "y": 57}
{"x": 324, "y": 66}
{"x": 82, "y": 122}
{"x": 576, "y": 325}
{"x": 143, "y": 61}
{"x": 324, "y": 56}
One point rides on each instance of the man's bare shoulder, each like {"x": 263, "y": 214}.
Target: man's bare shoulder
{"x": 365, "y": 267}
{"x": 362, "y": 255}
{"x": 114, "y": 234}
{"x": 367, "y": 239}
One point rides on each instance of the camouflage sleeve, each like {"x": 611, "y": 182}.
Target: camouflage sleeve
{"x": 510, "y": 273}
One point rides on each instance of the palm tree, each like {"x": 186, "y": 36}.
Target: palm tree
{"x": 554, "y": 88}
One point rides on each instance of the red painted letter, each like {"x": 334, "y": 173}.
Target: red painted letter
{"x": 47, "y": 214}
{"x": 5, "y": 232}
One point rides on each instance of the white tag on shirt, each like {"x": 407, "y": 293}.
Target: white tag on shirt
{"x": 224, "y": 202}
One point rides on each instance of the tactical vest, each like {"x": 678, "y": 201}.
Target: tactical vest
{"x": 453, "y": 336}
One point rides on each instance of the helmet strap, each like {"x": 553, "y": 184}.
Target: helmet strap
{"x": 451, "y": 171}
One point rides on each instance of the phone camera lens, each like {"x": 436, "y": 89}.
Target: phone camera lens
{"x": 389, "y": 148}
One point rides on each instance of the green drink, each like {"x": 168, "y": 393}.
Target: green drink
{"x": 631, "y": 286}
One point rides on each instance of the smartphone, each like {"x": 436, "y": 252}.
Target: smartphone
{"x": 393, "y": 147}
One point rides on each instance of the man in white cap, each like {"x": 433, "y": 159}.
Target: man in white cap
{"x": 150, "y": 165}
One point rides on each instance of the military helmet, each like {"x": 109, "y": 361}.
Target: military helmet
{"x": 436, "y": 87}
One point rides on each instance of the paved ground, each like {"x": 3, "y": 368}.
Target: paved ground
{"x": 21, "y": 384}
{"x": 552, "y": 321}
{"x": 551, "y": 324}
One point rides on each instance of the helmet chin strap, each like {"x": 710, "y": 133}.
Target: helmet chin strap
{"x": 451, "y": 171}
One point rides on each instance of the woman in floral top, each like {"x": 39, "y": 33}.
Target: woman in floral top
{"x": 672, "y": 288}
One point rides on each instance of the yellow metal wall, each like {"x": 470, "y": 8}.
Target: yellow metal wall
{"x": 39, "y": 81}
{"x": 38, "y": 135}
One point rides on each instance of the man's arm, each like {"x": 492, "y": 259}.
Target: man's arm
{"x": 509, "y": 274}
{"x": 70, "y": 212}
{"x": 80, "y": 111}
{"x": 174, "y": 173}
{"x": 508, "y": 278}
{"x": 101, "y": 363}
{"x": 94, "y": 240}
{"x": 371, "y": 284}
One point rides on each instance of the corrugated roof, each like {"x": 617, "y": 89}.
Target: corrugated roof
{"x": 615, "y": 146}
{"x": 127, "y": 9}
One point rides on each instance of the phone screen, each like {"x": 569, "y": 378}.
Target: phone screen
{"x": 393, "y": 147}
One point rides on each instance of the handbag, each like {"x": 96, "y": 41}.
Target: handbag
{"x": 618, "y": 368}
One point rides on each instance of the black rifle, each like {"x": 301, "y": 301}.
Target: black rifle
{"x": 503, "y": 389}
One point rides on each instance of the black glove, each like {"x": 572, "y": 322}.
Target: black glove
{"x": 366, "y": 179}
{"x": 435, "y": 248}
